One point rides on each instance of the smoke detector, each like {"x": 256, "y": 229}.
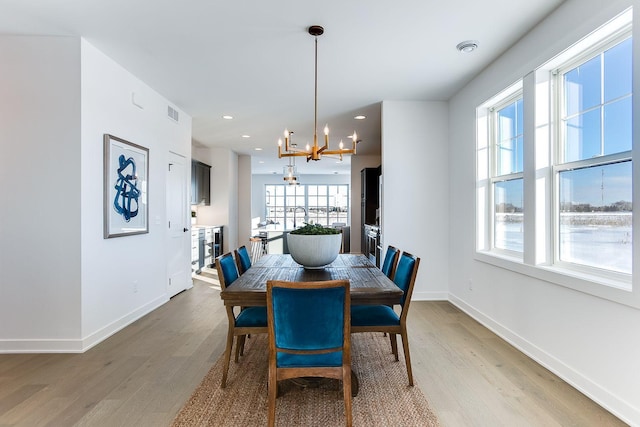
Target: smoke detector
{"x": 467, "y": 46}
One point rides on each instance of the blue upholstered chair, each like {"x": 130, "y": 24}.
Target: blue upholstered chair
{"x": 382, "y": 318}
{"x": 309, "y": 335}
{"x": 390, "y": 261}
{"x": 243, "y": 259}
{"x": 249, "y": 320}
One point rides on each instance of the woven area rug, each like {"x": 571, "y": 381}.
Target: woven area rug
{"x": 384, "y": 399}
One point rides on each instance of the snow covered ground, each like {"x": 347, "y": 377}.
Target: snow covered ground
{"x": 597, "y": 239}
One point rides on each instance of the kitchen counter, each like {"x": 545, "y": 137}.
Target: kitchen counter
{"x": 272, "y": 227}
{"x": 199, "y": 226}
{"x": 206, "y": 245}
{"x": 276, "y": 241}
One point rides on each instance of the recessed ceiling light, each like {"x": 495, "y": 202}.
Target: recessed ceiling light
{"x": 246, "y": 136}
{"x": 261, "y": 162}
{"x": 360, "y": 117}
{"x": 227, "y": 117}
{"x": 467, "y": 46}
{"x": 258, "y": 149}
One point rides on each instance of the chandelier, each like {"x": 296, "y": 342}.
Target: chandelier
{"x": 290, "y": 172}
{"x": 314, "y": 152}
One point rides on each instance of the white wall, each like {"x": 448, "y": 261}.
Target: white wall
{"x": 40, "y": 193}
{"x": 244, "y": 200}
{"x": 123, "y": 278}
{"x": 415, "y": 191}
{"x": 224, "y": 191}
{"x": 590, "y": 342}
{"x": 62, "y": 286}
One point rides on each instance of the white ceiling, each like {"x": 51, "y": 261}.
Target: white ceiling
{"x": 253, "y": 59}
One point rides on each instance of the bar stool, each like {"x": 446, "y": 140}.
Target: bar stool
{"x": 257, "y": 249}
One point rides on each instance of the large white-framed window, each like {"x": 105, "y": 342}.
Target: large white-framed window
{"x": 294, "y": 205}
{"x": 507, "y": 191}
{"x": 576, "y": 173}
{"x": 500, "y": 173}
{"x": 593, "y": 159}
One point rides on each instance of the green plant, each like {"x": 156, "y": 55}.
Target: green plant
{"x": 315, "y": 229}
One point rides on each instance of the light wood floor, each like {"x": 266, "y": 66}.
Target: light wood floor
{"x": 144, "y": 374}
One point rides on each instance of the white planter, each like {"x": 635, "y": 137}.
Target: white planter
{"x": 314, "y": 251}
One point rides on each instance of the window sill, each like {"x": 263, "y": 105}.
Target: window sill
{"x": 611, "y": 289}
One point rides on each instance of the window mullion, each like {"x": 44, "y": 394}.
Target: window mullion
{"x": 602, "y": 103}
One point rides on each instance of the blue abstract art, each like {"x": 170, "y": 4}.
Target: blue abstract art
{"x": 127, "y": 192}
{"x": 126, "y": 170}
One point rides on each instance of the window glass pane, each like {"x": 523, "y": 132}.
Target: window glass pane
{"x": 519, "y": 124}
{"x": 582, "y": 87}
{"x": 508, "y": 216}
{"x": 595, "y": 217}
{"x": 617, "y": 126}
{"x": 509, "y": 144}
{"x": 316, "y": 204}
{"x": 507, "y": 128}
{"x": 617, "y": 71}
{"x": 582, "y": 135}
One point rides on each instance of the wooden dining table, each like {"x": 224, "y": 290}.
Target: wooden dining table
{"x": 368, "y": 286}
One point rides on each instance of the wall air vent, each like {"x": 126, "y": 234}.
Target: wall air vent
{"x": 172, "y": 113}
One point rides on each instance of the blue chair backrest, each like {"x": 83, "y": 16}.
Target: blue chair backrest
{"x": 309, "y": 319}
{"x": 389, "y": 259}
{"x": 245, "y": 259}
{"x": 228, "y": 268}
{"x": 404, "y": 272}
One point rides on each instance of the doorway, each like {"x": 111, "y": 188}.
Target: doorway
{"x": 178, "y": 245}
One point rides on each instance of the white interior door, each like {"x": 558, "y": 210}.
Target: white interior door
{"x": 178, "y": 248}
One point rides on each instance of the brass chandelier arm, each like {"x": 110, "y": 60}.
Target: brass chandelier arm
{"x": 292, "y": 154}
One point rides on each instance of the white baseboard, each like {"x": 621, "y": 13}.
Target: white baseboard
{"x": 105, "y": 332}
{"x": 40, "y": 346}
{"x": 614, "y": 404}
{"x": 78, "y": 345}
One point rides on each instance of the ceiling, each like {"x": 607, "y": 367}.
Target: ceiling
{"x": 254, "y": 60}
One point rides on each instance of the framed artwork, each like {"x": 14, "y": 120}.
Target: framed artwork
{"x": 126, "y": 172}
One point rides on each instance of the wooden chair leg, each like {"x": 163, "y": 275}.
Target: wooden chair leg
{"x": 394, "y": 345}
{"x": 239, "y": 347}
{"x": 346, "y": 391}
{"x": 272, "y": 387}
{"x": 227, "y": 357}
{"x": 407, "y": 357}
